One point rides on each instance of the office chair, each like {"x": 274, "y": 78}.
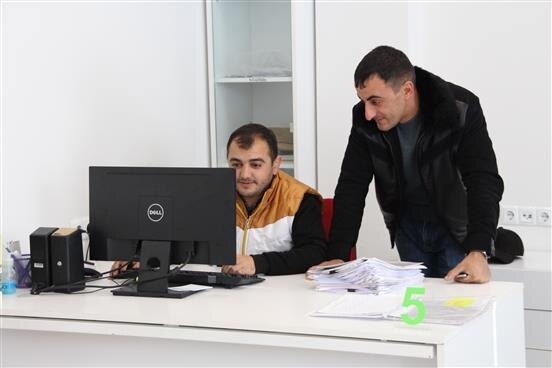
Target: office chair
{"x": 327, "y": 215}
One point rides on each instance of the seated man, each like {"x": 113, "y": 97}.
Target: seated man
{"x": 278, "y": 219}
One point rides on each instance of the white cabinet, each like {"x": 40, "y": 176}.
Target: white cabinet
{"x": 261, "y": 69}
{"x": 534, "y": 271}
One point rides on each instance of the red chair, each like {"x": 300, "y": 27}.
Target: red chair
{"x": 327, "y": 215}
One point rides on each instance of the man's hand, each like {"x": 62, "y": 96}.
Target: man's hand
{"x": 332, "y": 262}
{"x": 473, "y": 269}
{"x": 245, "y": 265}
{"x": 120, "y": 266}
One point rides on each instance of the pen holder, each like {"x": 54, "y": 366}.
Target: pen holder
{"x": 22, "y": 265}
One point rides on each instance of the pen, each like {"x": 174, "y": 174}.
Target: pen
{"x": 461, "y": 275}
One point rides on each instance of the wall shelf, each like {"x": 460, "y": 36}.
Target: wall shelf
{"x": 261, "y": 69}
{"x": 258, "y": 79}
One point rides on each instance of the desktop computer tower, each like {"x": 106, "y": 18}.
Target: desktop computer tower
{"x": 39, "y": 240}
{"x": 57, "y": 259}
{"x": 67, "y": 262}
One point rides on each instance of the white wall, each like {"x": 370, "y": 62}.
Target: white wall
{"x": 124, "y": 83}
{"x": 498, "y": 50}
{"x": 95, "y": 83}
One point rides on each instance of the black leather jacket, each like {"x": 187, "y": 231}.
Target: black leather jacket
{"x": 456, "y": 162}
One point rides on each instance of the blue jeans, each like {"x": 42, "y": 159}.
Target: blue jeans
{"x": 430, "y": 243}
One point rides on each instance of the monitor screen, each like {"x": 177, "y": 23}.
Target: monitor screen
{"x": 163, "y": 216}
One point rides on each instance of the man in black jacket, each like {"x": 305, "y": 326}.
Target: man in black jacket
{"x": 425, "y": 143}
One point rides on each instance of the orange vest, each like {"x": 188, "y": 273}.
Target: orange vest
{"x": 268, "y": 228}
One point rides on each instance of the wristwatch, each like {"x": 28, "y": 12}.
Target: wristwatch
{"x": 482, "y": 252}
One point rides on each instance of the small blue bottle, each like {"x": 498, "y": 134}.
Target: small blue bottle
{"x": 9, "y": 281}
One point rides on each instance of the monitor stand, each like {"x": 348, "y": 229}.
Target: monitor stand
{"x": 153, "y": 273}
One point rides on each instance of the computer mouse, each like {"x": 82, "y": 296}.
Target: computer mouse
{"x": 90, "y": 272}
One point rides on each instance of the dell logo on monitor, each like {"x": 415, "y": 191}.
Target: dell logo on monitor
{"x": 155, "y": 212}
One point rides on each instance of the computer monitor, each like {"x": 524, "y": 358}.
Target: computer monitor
{"x": 163, "y": 216}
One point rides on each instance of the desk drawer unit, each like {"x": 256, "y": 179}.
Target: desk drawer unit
{"x": 538, "y": 334}
{"x": 538, "y": 358}
{"x": 538, "y": 329}
{"x": 534, "y": 271}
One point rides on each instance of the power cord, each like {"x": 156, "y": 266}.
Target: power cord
{"x": 170, "y": 273}
{"x": 36, "y": 291}
{"x": 101, "y": 276}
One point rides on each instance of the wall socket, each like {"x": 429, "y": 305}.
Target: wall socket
{"x": 526, "y": 216}
{"x": 509, "y": 215}
{"x": 81, "y": 222}
{"x": 543, "y": 216}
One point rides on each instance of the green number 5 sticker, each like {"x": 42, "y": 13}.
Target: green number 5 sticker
{"x": 408, "y": 301}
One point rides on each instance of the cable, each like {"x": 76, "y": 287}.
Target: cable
{"x": 101, "y": 287}
{"x": 128, "y": 282}
{"x": 87, "y": 252}
{"x": 170, "y": 273}
{"x": 35, "y": 291}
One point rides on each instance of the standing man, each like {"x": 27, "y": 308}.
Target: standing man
{"x": 278, "y": 219}
{"x": 425, "y": 142}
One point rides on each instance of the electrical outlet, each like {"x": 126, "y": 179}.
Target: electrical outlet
{"x": 543, "y": 216}
{"x": 509, "y": 215}
{"x": 527, "y": 215}
{"x": 81, "y": 222}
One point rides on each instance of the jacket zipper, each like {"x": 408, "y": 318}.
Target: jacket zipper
{"x": 246, "y": 229}
{"x": 393, "y": 156}
{"x": 418, "y": 151}
{"x": 418, "y": 161}
{"x": 244, "y": 239}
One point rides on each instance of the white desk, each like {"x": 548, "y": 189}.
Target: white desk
{"x": 263, "y": 324}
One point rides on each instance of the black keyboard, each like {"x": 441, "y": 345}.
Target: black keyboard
{"x": 225, "y": 280}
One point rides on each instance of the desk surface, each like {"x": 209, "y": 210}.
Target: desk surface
{"x": 531, "y": 261}
{"x": 279, "y": 304}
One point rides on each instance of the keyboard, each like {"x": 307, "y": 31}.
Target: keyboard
{"x": 225, "y": 280}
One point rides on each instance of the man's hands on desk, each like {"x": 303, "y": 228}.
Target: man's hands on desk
{"x": 119, "y": 267}
{"x": 332, "y": 262}
{"x": 473, "y": 269}
{"x": 245, "y": 265}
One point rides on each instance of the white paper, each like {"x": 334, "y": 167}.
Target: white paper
{"x": 190, "y": 287}
{"x": 361, "y": 306}
{"x": 451, "y": 310}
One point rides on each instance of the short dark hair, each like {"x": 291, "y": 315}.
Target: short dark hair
{"x": 245, "y": 135}
{"x": 388, "y": 63}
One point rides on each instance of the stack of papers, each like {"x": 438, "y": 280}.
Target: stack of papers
{"x": 367, "y": 275}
